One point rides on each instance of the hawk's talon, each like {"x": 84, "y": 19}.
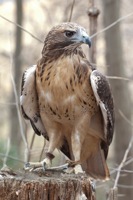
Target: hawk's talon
{"x": 69, "y": 170}
{"x": 72, "y": 163}
{"x": 46, "y": 163}
{"x": 44, "y": 166}
{"x": 26, "y": 165}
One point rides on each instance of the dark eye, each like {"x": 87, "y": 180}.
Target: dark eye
{"x": 69, "y": 33}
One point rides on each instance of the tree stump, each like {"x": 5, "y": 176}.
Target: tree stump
{"x": 23, "y": 185}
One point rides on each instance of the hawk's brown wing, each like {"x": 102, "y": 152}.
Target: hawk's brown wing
{"x": 102, "y": 92}
{"x": 29, "y": 101}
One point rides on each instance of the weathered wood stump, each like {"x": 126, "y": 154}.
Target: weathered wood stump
{"x": 21, "y": 185}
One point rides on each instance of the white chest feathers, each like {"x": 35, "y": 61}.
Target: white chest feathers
{"x": 47, "y": 96}
{"x": 69, "y": 99}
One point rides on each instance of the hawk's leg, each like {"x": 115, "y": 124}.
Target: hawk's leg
{"x": 77, "y": 141}
{"x": 54, "y": 142}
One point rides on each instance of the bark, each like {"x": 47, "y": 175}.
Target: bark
{"x": 120, "y": 88}
{"x": 49, "y": 186}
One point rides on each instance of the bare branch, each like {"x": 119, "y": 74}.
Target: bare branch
{"x": 71, "y": 12}
{"x": 21, "y": 28}
{"x": 128, "y": 162}
{"x": 18, "y": 110}
{"x": 125, "y": 118}
{"x": 31, "y": 145}
{"x": 113, "y": 24}
{"x": 11, "y": 157}
{"x": 124, "y": 170}
{"x": 8, "y": 103}
{"x": 123, "y": 162}
{"x": 32, "y": 140}
{"x": 126, "y": 186}
{"x": 118, "y": 78}
{"x": 42, "y": 150}
{"x": 7, "y": 152}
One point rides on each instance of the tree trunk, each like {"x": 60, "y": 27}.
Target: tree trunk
{"x": 93, "y": 13}
{"x": 116, "y": 67}
{"x": 49, "y": 186}
{"x": 14, "y": 126}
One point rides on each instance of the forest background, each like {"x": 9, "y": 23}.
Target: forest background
{"x": 23, "y": 27}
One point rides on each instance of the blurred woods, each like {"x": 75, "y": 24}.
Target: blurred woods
{"x": 17, "y": 74}
{"x": 113, "y": 56}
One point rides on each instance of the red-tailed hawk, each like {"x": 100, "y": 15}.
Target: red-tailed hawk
{"x": 69, "y": 102}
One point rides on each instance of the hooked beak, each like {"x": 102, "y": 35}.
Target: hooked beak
{"x": 85, "y": 38}
{"x": 81, "y": 37}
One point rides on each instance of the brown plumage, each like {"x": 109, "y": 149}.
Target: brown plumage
{"x": 69, "y": 102}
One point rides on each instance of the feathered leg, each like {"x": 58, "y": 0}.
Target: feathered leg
{"x": 77, "y": 141}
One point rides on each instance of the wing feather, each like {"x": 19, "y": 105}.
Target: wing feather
{"x": 29, "y": 101}
{"x": 102, "y": 92}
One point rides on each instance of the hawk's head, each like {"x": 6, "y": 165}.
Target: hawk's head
{"x": 65, "y": 36}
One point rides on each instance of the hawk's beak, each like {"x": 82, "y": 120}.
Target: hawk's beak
{"x": 85, "y": 38}
{"x": 81, "y": 37}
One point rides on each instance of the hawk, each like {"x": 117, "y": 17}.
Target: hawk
{"x": 69, "y": 102}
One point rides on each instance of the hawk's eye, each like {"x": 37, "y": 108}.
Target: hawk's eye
{"x": 69, "y": 33}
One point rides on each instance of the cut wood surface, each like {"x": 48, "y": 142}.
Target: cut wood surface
{"x": 25, "y": 185}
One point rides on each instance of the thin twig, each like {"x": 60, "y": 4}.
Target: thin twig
{"x": 61, "y": 167}
{"x": 125, "y": 118}
{"x": 42, "y": 150}
{"x": 18, "y": 110}
{"x": 125, "y": 186}
{"x": 21, "y": 27}
{"x": 19, "y": 117}
{"x": 124, "y": 170}
{"x": 11, "y": 157}
{"x": 71, "y": 12}
{"x": 97, "y": 33}
{"x": 118, "y": 78}
{"x": 7, "y": 152}
{"x": 128, "y": 162}
{"x": 114, "y": 171}
{"x": 123, "y": 162}
{"x": 111, "y": 25}
{"x": 7, "y": 103}
{"x": 117, "y": 169}
{"x": 31, "y": 145}
{"x": 32, "y": 140}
